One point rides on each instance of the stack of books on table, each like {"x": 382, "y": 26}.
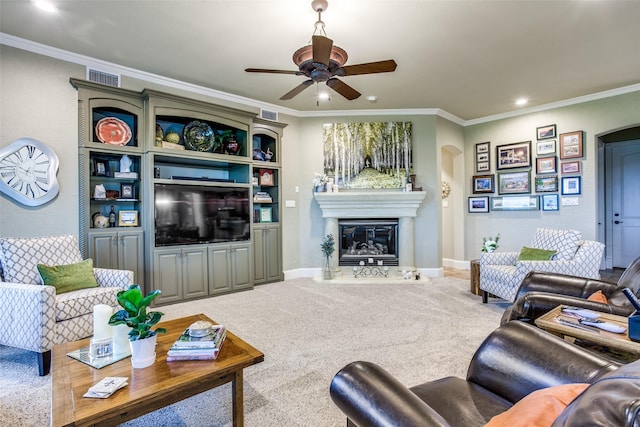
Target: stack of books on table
{"x": 205, "y": 347}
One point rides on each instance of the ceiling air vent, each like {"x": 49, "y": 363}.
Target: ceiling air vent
{"x": 269, "y": 115}
{"x": 103, "y": 77}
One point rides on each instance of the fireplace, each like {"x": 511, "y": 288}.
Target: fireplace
{"x": 368, "y": 240}
{"x": 377, "y": 205}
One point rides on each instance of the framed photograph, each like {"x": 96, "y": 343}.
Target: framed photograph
{"x": 546, "y": 132}
{"x": 482, "y": 147}
{"x": 479, "y": 204}
{"x": 482, "y": 157}
{"x": 571, "y": 145}
{"x": 265, "y": 215}
{"x": 483, "y": 184}
{"x": 546, "y": 147}
{"x": 550, "y": 202}
{"x": 126, "y": 191}
{"x": 127, "y": 218}
{"x": 266, "y": 177}
{"x": 571, "y": 185}
{"x": 546, "y": 165}
{"x": 515, "y": 203}
{"x": 514, "y": 182}
{"x": 101, "y": 167}
{"x": 571, "y": 167}
{"x": 546, "y": 183}
{"x": 482, "y": 167}
{"x": 516, "y": 155}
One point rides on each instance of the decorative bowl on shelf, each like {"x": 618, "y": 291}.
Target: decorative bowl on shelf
{"x": 112, "y": 130}
{"x": 198, "y": 136}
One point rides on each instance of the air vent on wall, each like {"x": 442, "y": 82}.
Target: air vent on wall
{"x": 269, "y": 115}
{"x": 103, "y": 77}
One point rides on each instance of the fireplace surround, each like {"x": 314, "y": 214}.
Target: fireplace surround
{"x": 374, "y": 204}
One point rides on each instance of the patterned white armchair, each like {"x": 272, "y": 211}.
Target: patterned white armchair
{"x": 501, "y": 272}
{"x": 32, "y": 316}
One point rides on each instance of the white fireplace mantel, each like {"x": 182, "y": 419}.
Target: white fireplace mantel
{"x": 375, "y": 204}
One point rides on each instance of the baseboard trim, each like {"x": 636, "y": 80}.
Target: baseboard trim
{"x": 455, "y": 263}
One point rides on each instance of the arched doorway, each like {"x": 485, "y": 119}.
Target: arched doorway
{"x": 453, "y": 207}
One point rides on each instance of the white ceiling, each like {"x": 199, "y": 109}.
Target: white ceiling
{"x": 471, "y": 58}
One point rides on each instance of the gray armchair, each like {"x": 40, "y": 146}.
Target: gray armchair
{"x": 32, "y": 316}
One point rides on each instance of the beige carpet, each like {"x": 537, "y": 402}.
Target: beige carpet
{"x": 417, "y": 330}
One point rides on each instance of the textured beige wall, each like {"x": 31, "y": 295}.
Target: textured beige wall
{"x": 37, "y": 101}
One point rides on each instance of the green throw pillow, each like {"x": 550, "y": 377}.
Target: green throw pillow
{"x": 70, "y": 277}
{"x": 534, "y": 254}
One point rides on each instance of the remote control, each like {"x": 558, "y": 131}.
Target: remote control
{"x": 632, "y": 298}
{"x": 605, "y": 326}
{"x": 582, "y": 312}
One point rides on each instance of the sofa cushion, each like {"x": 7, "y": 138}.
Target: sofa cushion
{"x": 539, "y": 408}
{"x": 611, "y": 401}
{"x": 76, "y": 303}
{"x": 69, "y": 277}
{"x": 535, "y": 254}
{"x": 20, "y": 256}
{"x": 565, "y": 242}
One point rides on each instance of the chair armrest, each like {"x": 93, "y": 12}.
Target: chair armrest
{"x": 517, "y": 359}
{"x": 370, "y": 396}
{"x": 531, "y": 305}
{"x": 27, "y": 316}
{"x": 110, "y": 278}
{"x": 564, "y": 284}
{"x": 499, "y": 258}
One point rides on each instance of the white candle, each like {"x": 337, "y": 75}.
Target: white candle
{"x": 121, "y": 339}
{"x": 101, "y": 315}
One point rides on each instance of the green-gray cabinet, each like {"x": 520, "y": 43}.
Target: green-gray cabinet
{"x": 267, "y": 254}
{"x": 180, "y": 273}
{"x": 230, "y": 267}
{"x": 121, "y": 250}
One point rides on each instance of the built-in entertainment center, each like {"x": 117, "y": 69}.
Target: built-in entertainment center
{"x": 183, "y": 192}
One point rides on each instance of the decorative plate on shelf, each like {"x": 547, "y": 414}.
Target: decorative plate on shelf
{"x": 112, "y": 130}
{"x": 198, "y": 136}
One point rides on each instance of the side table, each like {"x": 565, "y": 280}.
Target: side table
{"x": 474, "y": 279}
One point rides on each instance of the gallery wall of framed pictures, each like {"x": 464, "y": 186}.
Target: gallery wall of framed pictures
{"x": 528, "y": 175}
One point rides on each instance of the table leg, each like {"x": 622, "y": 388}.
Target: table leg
{"x": 237, "y": 391}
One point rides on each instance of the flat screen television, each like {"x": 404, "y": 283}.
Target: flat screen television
{"x": 193, "y": 214}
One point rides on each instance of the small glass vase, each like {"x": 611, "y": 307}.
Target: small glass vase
{"x": 326, "y": 270}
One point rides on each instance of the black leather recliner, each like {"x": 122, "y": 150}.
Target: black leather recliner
{"x": 541, "y": 292}
{"x": 513, "y": 361}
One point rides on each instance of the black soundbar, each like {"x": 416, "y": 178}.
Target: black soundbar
{"x": 201, "y": 178}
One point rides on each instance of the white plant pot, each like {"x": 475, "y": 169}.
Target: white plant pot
{"x": 143, "y": 352}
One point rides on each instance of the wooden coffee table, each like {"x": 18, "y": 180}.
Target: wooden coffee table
{"x": 609, "y": 339}
{"x": 149, "y": 389}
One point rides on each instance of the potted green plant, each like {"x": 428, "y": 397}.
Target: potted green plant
{"x": 134, "y": 314}
{"x": 327, "y": 250}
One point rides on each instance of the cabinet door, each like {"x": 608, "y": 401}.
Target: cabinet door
{"x": 259, "y": 269}
{"x": 103, "y": 249}
{"x": 273, "y": 254}
{"x": 240, "y": 260}
{"x": 195, "y": 277}
{"x": 167, "y": 275}
{"x": 219, "y": 270}
{"x": 131, "y": 254}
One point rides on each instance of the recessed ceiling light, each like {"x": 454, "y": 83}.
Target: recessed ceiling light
{"x": 372, "y": 98}
{"x": 45, "y": 5}
{"x": 521, "y": 101}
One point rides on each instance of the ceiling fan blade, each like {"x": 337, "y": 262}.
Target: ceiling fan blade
{"x": 343, "y": 89}
{"x": 321, "y": 49}
{"x": 264, "y": 70}
{"x": 370, "y": 68}
{"x": 296, "y": 90}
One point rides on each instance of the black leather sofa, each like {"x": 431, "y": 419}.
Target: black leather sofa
{"x": 540, "y": 292}
{"x": 513, "y": 361}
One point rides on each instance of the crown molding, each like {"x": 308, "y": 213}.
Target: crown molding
{"x": 87, "y": 61}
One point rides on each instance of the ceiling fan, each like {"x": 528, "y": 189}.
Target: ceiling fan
{"x": 323, "y": 62}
